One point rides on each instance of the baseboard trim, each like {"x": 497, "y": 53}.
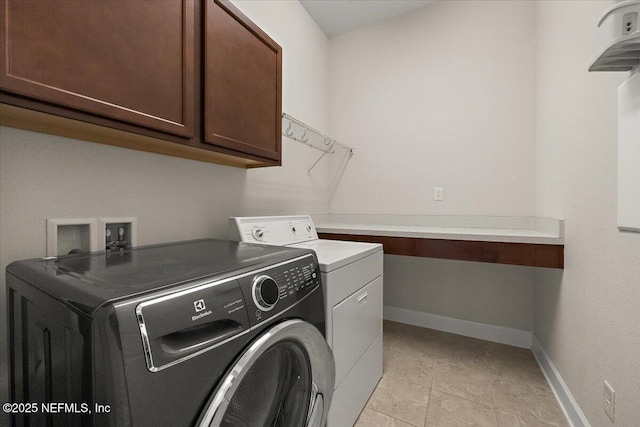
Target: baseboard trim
{"x": 500, "y": 334}
{"x": 572, "y": 411}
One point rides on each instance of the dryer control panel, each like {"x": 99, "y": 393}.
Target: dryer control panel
{"x": 270, "y": 292}
{"x": 273, "y": 230}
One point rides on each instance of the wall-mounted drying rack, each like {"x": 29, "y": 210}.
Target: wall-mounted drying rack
{"x": 622, "y": 54}
{"x": 305, "y": 134}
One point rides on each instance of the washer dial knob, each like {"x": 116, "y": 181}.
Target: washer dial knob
{"x": 257, "y": 233}
{"x": 266, "y": 293}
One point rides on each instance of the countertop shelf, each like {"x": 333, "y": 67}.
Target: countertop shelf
{"x": 515, "y": 246}
{"x": 448, "y": 233}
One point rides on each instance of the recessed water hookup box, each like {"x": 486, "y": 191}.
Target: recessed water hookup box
{"x": 117, "y": 233}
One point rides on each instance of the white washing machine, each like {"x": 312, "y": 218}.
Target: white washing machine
{"x": 351, "y": 275}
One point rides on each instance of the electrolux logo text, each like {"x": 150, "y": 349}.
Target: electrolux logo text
{"x": 200, "y": 306}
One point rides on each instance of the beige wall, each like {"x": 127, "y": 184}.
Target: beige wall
{"x": 424, "y": 105}
{"x": 43, "y": 176}
{"x": 586, "y": 318}
{"x": 442, "y": 96}
{"x": 494, "y": 294}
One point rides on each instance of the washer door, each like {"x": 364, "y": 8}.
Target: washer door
{"x": 285, "y": 378}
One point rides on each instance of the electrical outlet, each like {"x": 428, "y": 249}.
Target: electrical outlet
{"x": 437, "y": 194}
{"x": 629, "y": 23}
{"x": 609, "y": 399}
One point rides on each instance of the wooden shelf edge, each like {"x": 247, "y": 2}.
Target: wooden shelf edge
{"x": 525, "y": 254}
{"x": 32, "y": 120}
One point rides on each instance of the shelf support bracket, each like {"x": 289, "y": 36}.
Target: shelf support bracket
{"x": 324, "y": 153}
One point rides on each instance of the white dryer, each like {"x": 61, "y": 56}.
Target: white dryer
{"x": 351, "y": 275}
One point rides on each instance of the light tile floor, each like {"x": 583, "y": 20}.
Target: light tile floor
{"x": 436, "y": 379}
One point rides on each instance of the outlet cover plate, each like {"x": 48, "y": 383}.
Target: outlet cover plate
{"x": 438, "y": 194}
{"x": 629, "y": 23}
{"x": 609, "y": 400}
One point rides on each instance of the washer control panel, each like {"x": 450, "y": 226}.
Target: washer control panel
{"x": 270, "y": 292}
{"x": 273, "y": 230}
{"x": 265, "y": 292}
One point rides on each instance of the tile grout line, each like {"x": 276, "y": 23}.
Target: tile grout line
{"x": 407, "y": 380}
{"x": 516, "y": 415}
{"x": 439, "y": 357}
{"x": 426, "y": 417}
{"x": 493, "y": 410}
{"x": 390, "y": 416}
{"x": 500, "y": 377}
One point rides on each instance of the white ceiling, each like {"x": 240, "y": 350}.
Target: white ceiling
{"x": 336, "y": 17}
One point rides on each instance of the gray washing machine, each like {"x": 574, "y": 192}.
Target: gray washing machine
{"x": 205, "y": 333}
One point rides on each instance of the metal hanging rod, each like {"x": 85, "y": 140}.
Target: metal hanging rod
{"x": 305, "y": 134}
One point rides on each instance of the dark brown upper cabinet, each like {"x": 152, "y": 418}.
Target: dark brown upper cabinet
{"x": 188, "y": 78}
{"x": 242, "y": 83}
{"x": 128, "y": 60}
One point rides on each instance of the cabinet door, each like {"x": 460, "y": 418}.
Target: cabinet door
{"x": 243, "y": 83}
{"x": 127, "y": 60}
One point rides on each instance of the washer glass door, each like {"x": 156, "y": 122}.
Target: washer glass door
{"x": 276, "y": 390}
{"x": 285, "y": 378}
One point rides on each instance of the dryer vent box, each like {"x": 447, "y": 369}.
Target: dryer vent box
{"x": 71, "y": 235}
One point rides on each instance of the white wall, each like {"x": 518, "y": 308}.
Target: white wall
{"x": 442, "y": 96}
{"x": 586, "y": 317}
{"x": 43, "y": 176}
